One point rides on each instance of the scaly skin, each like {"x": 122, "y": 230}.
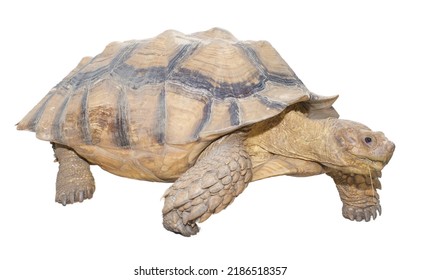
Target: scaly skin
{"x": 218, "y": 177}
{"x": 75, "y": 182}
{"x": 347, "y": 151}
{"x": 358, "y": 194}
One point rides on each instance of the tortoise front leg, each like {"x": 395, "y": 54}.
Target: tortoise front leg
{"x": 358, "y": 194}
{"x": 219, "y": 175}
{"x": 74, "y": 178}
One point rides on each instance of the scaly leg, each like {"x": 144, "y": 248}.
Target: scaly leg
{"x": 74, "y": 178}
{"x": 358, "y": 194}
{"x": 220, "y": 174}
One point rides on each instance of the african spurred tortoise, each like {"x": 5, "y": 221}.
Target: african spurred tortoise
{"x": 209, "y": 113}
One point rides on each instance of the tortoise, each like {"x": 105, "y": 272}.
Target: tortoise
{"x": 209, "y": 113}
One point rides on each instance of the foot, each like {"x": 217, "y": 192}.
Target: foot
{"x": 172, "y": 221}
{"x": 70, "y": 194}
{"x": 75, "y": 182}
{"x": 358, "y": 214}
{"x": 358, "y": 194}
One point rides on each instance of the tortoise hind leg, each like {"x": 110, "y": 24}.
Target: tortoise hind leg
{"x": 219, "y": 175}
{"x": 74, "y": 178}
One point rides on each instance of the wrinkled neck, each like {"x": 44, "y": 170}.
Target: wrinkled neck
{"x": 294, "y": 135}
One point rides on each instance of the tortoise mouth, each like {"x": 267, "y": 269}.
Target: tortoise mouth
{"x": 372, "y": 166}
{"x": 374, "y": 160}
{"x": 362, "y": 166}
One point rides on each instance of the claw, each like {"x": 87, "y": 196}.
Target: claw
{"x": 62, "y": 199}
{"x": 89, "y": 193}
{"x": 172, "y": 221}
{"x": 368, "y": 215}
{"x": 373, "y": 212}
{"x": 71, "y": 197}
{"x": 359, "y": 215}
{"x": 71, "y": 194}
{"x": 80, "y": 198}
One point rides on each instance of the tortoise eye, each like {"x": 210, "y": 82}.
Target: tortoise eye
{"x": 368, "y": 140}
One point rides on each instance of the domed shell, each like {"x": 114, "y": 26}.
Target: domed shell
{"x": 161, "y": 95}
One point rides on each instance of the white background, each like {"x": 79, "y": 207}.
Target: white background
{"x": 366, "y": 51}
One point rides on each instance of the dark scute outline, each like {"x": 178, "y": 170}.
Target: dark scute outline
{"x": 84, "y": 118}
{"x": 161, "y": 118}
{"x": 273, "y": 77}
{"x": 222, "y": 91}
{"x": 121, "y": 136}
{"x": 234, "y": 113}
{"x": 271, "y": 103}
{"x": 207, "y": 110}
{"x": 82, "y": 77}
{"x": 180, "y": 56}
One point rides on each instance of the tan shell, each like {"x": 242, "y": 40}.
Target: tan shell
{"x": 146, "y": 109}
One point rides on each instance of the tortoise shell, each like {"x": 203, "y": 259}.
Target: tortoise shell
{"x": 147, "y": 109}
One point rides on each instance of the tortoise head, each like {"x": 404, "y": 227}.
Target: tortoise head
{"x": 359, "y": 149}
{"x": 360, "y": 156}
